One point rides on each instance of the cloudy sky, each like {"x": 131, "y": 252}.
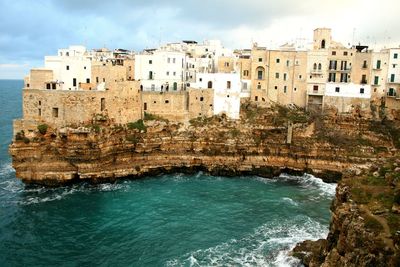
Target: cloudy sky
{"x": 29, "y": 29}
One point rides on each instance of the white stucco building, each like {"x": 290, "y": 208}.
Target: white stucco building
{"x": 160, "y": 70}
{"x": 71, "y": 67}
{"x": 227, "y": 91}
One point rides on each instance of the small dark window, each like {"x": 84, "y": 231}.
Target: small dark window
{"x": 256, "y": 98}
{"x": 228, "y": 84}
{"x": 73, "y": 81}
{"x": 345, "y": 53}
{"x": 361, "y": 90}
{"x": 150, "y": 61}
{"x": 48, "y": 86}
{"x": 145, "y": 106}
{"x": 84, "y": 67}
{"x": 276, "y": 87}
{"x": 55, "y": 112}
{"x": 67, "y": 67}
{"x": 278, "y": 60}
{"x": 104, "y": 80}
{"x": 87, "y": 80}
{"x": 259, "y": 59}
{"x": 166, "y": 101}
{"x": 201, "y": 98}
{"x": 97, "y": 79}
{"x": 337, "y": 89}
{"x": 102, "y": 104}
{"x": 40, "y": 102}
{"x": 53, "y": 86}
{"x": 40, "y": 112}
{"x": 395, "y": 55}
{"x": 333, "y": 53}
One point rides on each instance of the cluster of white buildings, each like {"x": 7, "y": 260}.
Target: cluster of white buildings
{"x": 327, "y": 74}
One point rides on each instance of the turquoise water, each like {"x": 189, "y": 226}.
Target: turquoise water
{"x": 168, "y": 220}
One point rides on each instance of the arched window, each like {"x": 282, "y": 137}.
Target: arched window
{"x": 323, "y": 44}
{"x": 209, "y": 85}
{"x": 315, "y": 66}
{"x": 260, "y": 73}
{"x": 319, "y": 66}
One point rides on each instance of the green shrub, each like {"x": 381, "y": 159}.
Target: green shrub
{"x": 133, "y": 139}
{"x": 43, "y": 128}
{"x": 26, "y": 140}
{"x": 372, "y": 224}
{"x": 139, "y": 125}
{"x": 20, "y": 136}
{"x": 96, "y": 128}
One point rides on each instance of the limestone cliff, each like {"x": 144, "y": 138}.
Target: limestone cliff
{"x": 365, "y": 226}
{"x": 257, "y": 144}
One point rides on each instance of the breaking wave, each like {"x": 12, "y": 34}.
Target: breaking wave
{"x": 309, "y": 181}
{"x": 268, "y": 245}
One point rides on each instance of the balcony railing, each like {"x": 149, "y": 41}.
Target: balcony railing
{"x": 393, "y": 81}
{"x": 363, "y": 82}
{"x": 312, "y": 91}
{"x": 391, "y": 94}
{"x": 315, "y": 71}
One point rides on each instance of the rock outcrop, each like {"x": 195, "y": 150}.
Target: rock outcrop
{"x": 257, "y": 144}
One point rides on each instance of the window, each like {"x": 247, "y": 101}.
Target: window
{"x": 74, "y": 82}
{"x": 361, "y": 90}
{"x": 395, "y": 55}
{"x": 256, "y": 98}
{"x": 226, "y": 64}
{"x": 244, "y": 86}
{"x": 40, "y": 102}
{"x": 392, "y": 76}
{"x": 376, "y": 80}
{"x": 173, "y": 60}
{"x": 54, "y": 86}
{"x": 150, "y": 61}
{"x": 67, "y": 54}
{"x": 145, "y": 106}
{"x": 323, "y": 44}
{"x": 48, "y": 86}
{"x": 337, "y": 89}
{"x": 167, "y": 73}
{"x": 169, "y": 60}
{"x": 200, "y": 79}
{"x": 87, "y": 80}
{"x": 319, "y": 66}
{"x": 300, "y": 76}
{"x": 209, "y": 84}
{"x": 102, "y": 104}
{"x": 333, "y": 53}
{"x": 284, "y": 76}
{"x": 278, "y": 60}
{"x": 277, "y": 75}
{"x": 259, "y": 59}
{"x": 260, "y": 73}
{"x": 166, "y": 101}
{"x": 153, "y": 87}
{"x": 67, "y": 67}
{"x": 315, "y": 88}
{"x": 84, "y": 67}
{"x": 378, "y": 64}
{"x": 315, "y": 66}
{"x": 364, "y": 64}
{"x": 55, "y": 112}
{"x": 97, "y": 79}
{"x": 364, "y": 79}
{"x": 284, "y": 89}
{"x": 40, "y": 112}
{"x": 332, "y": 77}
{"x": 228, "y": 84}
{"x": 259, "y": 86}
{"x": 276, "y": 87}
{"x": 391, "y": 92}
{"x": 174, "y": 73}
{"x": 150, "y": 75}
{"x": 345, "y": 53}
{"x": 332, "y": 64}
{"x": 246, "y": 73}
{"x": 201, "y": 98}
{"x": 287, "y": 63}
{"x": 104, "y": 80}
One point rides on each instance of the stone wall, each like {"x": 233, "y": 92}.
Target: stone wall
{"x": 347, "y": 104}
{"x": 61, "y": 107}
{"x": 38, "y": 78}
{"x": 201, "y": 102}
{"x": 169, "y": 105}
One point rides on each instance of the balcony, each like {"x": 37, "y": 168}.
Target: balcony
{"x": 348, "y": 69}
{"x": 363, "y": 81}
{"x": 364, "y": 66}
{"x": 320, "y": 91}
{"x": 316, "y": 72}
{"x": 393, "y": 81}
{"x": 391, "y": 94}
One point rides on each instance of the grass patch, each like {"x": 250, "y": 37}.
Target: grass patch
{"x": 393, "y": 221}
{"x": 372, "y": 224}
{"x": 359, "y": 195}
{"x": 152, "y": 117}
{"x": 139, "y": 125}
{"x": 42, "y": 128}
{"x": 372, "y": 180}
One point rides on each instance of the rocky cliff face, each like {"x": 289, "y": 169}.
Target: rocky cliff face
{"x": 365, "y": 226}
{"x": 257, "y": 144}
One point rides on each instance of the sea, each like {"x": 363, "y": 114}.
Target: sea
{"x": 165, "y": 220}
